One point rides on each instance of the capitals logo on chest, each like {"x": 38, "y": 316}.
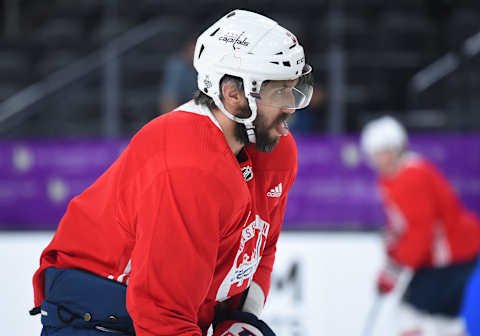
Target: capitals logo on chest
{"x": 249, "y": 253}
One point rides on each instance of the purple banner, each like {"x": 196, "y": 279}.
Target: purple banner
{"x": 38, "y": 178}
{"x": 334, "y": 188}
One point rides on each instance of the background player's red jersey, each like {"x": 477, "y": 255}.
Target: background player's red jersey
{"x": 427, "y": 224}
{"x": 179, "y": 220}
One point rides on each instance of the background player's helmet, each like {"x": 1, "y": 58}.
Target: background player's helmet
{"x": 255, "y": 48}
{"x": 384, "y": 133}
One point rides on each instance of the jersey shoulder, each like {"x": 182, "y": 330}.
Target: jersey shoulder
{"x": 190, "y": 133}
{"x": 417, "y": 167}
{"x": 412, "y": 167}
{"x": 415, "y": 177}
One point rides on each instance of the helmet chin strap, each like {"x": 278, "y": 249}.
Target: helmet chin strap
{"x": 248, "y": 122}
{"x": 249, "y": 125}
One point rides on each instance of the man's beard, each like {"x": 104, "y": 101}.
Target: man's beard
{"x": 263, "y": 141}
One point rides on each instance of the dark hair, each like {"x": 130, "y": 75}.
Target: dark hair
{"x": 201, "y": 98}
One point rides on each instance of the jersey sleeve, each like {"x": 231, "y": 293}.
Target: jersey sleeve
{"x": 410, "y": 211}
{"x": 173, "y": 262}
{"x": 264, "y": 270}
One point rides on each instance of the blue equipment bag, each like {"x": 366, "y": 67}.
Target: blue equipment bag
{"x": 471, "y": 303}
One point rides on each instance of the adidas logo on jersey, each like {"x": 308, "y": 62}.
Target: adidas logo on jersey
{"x": 275, "y": 192}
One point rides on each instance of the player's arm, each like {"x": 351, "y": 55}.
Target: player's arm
{"x": 264, "y": 270}
{"x": 173, "y": 262}
{"x": 263, "y": 273}
{"x": 416, "y": 208}
{"x": 286, "y": 153}
{"x": 243, "y": 310}
{"x": 252, "y": 300}
{"x": 240, "y": 315}
{"x": 409, "y": 233}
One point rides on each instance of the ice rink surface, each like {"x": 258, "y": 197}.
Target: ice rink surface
{"x": 323, "y": 283}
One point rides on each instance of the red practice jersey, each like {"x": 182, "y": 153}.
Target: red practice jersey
{"x": 426, "y": 222}
{"x": 178, "y": 220}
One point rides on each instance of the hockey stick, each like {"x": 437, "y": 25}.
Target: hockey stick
{"x": 372, "y": 316}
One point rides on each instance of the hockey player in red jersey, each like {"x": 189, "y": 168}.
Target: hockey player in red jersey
{"x": 180, "y": 232}
{"x": 428, "y": 232}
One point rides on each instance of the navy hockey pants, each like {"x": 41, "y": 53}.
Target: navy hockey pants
{"x": 81, "y": 303}
{"x": 440, "y": 290}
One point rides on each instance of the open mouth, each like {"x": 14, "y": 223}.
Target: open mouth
{"x": 282, "y": 127}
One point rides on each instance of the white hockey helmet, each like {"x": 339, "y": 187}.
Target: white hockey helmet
{"x": 256, "y": 49}
{"x": 384, "y": 133}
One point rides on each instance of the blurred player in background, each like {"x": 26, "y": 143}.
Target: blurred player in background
{"x": 181, "y": 230}
{"x": 428, "y": 231}
{"x": 179, "y": 80}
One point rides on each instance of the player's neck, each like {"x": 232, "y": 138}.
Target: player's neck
{"x": 392, "y": 169}
{"x": 228, "y": 127}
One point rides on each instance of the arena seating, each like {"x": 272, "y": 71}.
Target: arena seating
{"x": 386, "y": 43}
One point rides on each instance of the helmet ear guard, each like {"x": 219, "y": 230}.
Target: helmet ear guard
{"x": 254, "y": 48}
{"x": 212, "y": 89}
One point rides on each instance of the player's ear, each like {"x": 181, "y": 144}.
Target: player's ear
{"x": 232, "y": 95}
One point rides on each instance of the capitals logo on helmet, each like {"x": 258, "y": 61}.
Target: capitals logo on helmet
{"x": 254, "y": 48}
